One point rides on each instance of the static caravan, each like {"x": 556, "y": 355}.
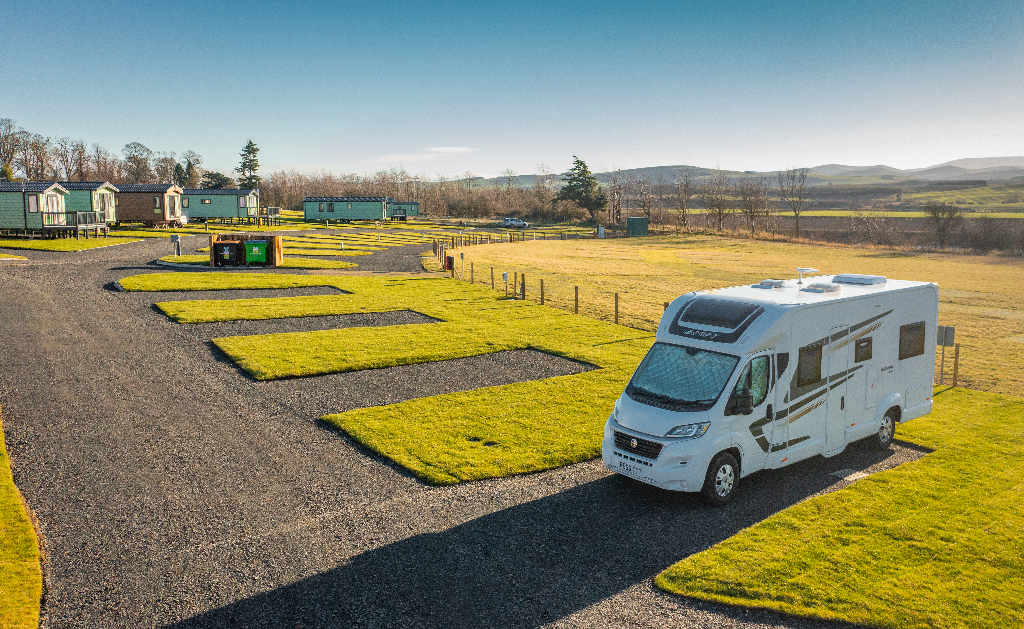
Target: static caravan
{"x": 32, "y": 206}
{"x": 92, "y": 196}
{"x": 149, "y": 203}
{"x": 756, "y": 377}
{"x": 400, "y": 210}
{"x": 344, "y": 209}
{"x": 204, "y": 204}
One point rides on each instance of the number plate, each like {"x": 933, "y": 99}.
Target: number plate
{"x": 630, "y": 470}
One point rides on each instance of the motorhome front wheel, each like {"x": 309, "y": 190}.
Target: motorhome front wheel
{"x": 722, "y": 479}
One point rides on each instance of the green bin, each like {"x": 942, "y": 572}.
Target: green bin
{"x": 256, "y": 251}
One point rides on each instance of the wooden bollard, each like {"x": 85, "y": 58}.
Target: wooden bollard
{"x": 956, "y": 364}
{"x": 542, "y": 292}
{"x": 616, "y": 307}
{"x": 576, "y": 308}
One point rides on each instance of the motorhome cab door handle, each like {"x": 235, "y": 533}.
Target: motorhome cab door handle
{"x": 842, "y": 402}
{"x": 769, "y": 415}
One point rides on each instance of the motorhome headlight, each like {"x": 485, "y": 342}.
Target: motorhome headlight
{"x": 689, "y": 431}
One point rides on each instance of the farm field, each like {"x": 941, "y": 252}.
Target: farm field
{"x": 983, "y": 296}
{"x": 985, "y": 198}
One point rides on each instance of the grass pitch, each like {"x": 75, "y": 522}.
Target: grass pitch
{"x": 938, "y": 542}
{"x": 21, "y": 578}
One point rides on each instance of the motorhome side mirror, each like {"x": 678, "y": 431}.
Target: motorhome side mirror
{"x": 740, "y": 403}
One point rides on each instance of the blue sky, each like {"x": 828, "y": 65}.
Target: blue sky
{"x": 472, "y": 86}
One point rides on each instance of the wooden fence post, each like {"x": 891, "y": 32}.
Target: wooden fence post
{"x": 576, "y": 308}
{"x": 616, "y": 307}
{"x": 524, "y": 286}
{"x": 515, "y": 283}
{"x": 956, "y": 364}
{"x": 492, "y": 278}
{"x": 542, "y": 291}
{"x": 471, "y": 272}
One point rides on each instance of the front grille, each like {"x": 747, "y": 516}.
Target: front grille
{"x": 645, "y": 448}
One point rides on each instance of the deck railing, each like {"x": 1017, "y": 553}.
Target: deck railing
{"x": 72, "y": 219}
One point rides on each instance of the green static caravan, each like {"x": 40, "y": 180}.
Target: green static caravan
{"x": 92, "y": 196}
{"x": 204, "y": 204}
{"x": 31, "y": 206}
{"x": 400, "y": 210}
{"x": 345, "y": 209}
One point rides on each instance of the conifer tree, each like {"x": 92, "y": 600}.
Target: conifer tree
{"x": 247, "y": 177}
{"x": 581, "y": 187}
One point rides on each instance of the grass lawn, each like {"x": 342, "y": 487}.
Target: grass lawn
{"x": 62, "y": 244}
{"x": 938, "y": 542}
{"x": 983, "y": 296}
{"x": 222, "y": 281}
{"x": 324, "y": 252}
{"x": 21, "y": 579}
{"x": 485, "y": 433}
{"x": 289, "y": 263}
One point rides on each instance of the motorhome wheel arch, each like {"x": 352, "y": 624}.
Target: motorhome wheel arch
{"x": 762, "y": 376}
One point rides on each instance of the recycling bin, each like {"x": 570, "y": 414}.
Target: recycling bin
{"x": 229, "y": 253}
{"x": 256, "y": 251}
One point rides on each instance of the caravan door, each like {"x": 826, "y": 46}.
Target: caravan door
{"x": 838, "y": 364}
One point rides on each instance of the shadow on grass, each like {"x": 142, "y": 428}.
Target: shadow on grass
{"x": 534, "y": 563}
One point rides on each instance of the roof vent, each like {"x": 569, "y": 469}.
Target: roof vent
{"x": 823, "y": 288}
{"x": 770, "y": 284}
{"x": 853, "y": 278}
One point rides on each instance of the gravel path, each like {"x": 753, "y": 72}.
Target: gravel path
{"x": 174, "y": 491}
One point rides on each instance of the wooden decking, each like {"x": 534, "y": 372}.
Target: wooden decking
{"x": 77, "y": 223}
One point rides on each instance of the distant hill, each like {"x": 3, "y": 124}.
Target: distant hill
{"x": 988, "y": 168}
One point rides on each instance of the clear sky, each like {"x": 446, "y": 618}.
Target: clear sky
{"x": 450, "y": 87}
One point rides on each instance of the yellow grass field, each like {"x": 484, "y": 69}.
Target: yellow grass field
{"x": 983, "y": 296}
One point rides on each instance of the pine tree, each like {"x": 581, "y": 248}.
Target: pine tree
{"x": 581, "y": 187}
{"x": 248, "y": 179}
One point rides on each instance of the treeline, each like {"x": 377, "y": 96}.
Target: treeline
{"x": 40, "y": 157}
{"x": 460, "y": 197}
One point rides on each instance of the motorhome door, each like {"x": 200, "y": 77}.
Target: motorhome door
{"x": 838, "y": 364}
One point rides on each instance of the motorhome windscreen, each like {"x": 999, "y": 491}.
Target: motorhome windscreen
{"x": 718, "y": 313}
{"x": 681, "y": 378}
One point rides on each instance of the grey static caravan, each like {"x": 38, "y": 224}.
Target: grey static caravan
{"x": 757, "y": 377}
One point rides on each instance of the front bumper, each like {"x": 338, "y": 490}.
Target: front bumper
{"x": 680, "y": 466}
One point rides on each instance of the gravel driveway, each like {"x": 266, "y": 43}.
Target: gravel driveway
{"x": 172, "y": 490}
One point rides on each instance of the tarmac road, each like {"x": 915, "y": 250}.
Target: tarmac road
{"x": 174, "y": 491}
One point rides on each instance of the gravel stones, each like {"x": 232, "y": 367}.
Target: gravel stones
{"x": 174, "y": 491}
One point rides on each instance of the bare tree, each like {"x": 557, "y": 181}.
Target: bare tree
{"x": 64, "y": 156}
{"x": 164, "y": 164}
{"x": 510, "y": 184}
{"x": 685, "y": 189}
{"x": 753, "y": 194}
{"x": 793, "y": 193}
{"x": 10, "y": 140}
{"x": 945, "y": 220}
{"x": 714, "y": 194}
{"x": 616, "y": 197}
{"x": 138, "y": 163}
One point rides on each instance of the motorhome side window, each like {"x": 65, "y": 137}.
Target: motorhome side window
{"x": 755, "y": 378}
{"x": 911, "y": 340}
{"x": 862, "y": 350}
{"x": 809, "y": 367}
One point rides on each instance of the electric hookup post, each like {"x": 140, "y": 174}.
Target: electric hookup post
{"x": 504, "y": 277}
{"x": 946, "y": 338}
{"x": 176, "y": 244}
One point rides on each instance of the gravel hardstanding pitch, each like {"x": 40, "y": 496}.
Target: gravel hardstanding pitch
{"x": 174, "y": 491}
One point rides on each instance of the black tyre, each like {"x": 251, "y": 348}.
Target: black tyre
{"x": 886, "y": 431}
{"x": 722, "y": 480}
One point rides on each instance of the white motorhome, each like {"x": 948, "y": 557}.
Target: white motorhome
{"x": 757, "y": 377}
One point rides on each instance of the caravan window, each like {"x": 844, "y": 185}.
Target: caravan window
{"x": 809, "y": 367}
{"x": 862, "y": 350}
{"x": 330, "y": 207}
{"x": 321, "y": 207}
{"x": 911, "y": 340}
{"x": 184, "y": 202}
{"x": 156, "y": 203}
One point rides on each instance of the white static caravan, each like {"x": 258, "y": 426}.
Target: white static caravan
{"x": 758, "y": 377}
